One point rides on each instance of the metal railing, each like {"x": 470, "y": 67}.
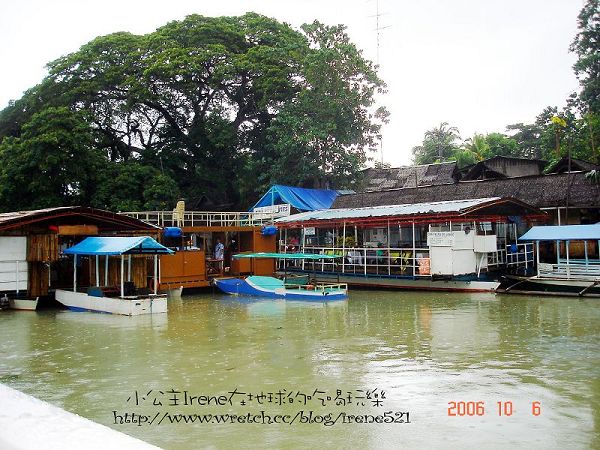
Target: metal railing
{"x": 365, "y": 260}
{"x": 522, "y": 255}
{"x": 570, "y": 271}
{"x": 201, "y": 218}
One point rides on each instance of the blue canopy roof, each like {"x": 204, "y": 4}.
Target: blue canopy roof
{"x": 300, "y": 198}
{"x": 563, "y": 233}
{"x": 111, "y": 245}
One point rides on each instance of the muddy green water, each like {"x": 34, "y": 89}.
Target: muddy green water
{"x": 423, "y": 349}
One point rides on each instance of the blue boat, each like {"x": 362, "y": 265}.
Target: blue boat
{"x": 270, "y": 287}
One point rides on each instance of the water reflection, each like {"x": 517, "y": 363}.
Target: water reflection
{"x": 423, "y": 349}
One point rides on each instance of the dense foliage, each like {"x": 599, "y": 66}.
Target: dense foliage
{"x": 574, "y": 130}
{"x": 208, "y": 109}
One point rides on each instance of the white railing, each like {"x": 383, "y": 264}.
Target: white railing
{"x": 20, "y": 275}
{"x": 590, "y": 271}
{"x": 523, "y": 256}
{"x": 364, "y": 260}
{"x": 201, "y": 218}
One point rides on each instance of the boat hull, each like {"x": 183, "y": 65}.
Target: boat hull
{"x": 425, "y": 284}
{"x": 23, "y": 304}
{"x": 79, "y": 301}
{"x": 238, "y": 286}
{"x": 549, "y": 286}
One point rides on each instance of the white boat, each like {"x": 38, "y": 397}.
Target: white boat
{"x": 126, "y": 305}
{"x": 569, "y": 274}
{"x": 25, "y": 304}
{"x": 108, "y": 299}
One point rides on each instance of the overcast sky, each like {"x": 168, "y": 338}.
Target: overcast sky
{"x": 477, "y": 64}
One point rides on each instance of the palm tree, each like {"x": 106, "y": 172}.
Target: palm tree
{"x": 478, "y": 146}
{"x": 443, "y": 138}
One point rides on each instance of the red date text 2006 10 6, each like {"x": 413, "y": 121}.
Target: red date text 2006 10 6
{"x": 503, "y": 408}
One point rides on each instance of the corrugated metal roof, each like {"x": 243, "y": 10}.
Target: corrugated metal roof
{"x": 563, "y": 233}
{"x": 116, "y": 221}
{"x": 9, "y": 216}
{"x": 455, "y": 206}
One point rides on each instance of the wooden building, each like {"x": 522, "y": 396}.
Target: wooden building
{"x": 194, "y": 264}
{"x": 31, "y": 243}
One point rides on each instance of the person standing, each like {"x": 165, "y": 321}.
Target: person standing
{"x": 219, "y": 253}
{"x": 219, "y": 250}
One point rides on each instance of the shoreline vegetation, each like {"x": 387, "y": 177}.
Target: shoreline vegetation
{"x": 214, "y": 110}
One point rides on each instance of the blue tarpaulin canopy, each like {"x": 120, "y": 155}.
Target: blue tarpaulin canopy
{"x": 300, "y": 198}
{"x": 563, "y": 233}
{"x": 111, "y": 245}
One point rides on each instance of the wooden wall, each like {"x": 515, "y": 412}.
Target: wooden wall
{"x": 139, "y": 270}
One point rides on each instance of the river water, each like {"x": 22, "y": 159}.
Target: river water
{"x": 522, "y": 371}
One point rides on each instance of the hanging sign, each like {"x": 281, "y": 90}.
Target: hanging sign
{"x": 310, "y": 231}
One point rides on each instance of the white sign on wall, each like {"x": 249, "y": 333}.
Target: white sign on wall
{"x": 440, "y": 239}
{"x": 273, "y": 210}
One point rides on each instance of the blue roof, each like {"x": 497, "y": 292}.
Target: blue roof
{"x": 300, "y": 198}
{"x": 563, "y": 233}
{"x": 112, "y": 245}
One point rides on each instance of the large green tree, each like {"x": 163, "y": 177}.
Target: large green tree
{"x": 324, "y": 135}
{"x": 586, "y": 46}
{"x": 215, "y": 106}
{"x": 52, "y": 163}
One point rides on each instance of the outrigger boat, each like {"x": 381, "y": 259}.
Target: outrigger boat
{"x": 576, "y": 271}
{"x": 110, "y": 299}
{"x": 290, "y": 288}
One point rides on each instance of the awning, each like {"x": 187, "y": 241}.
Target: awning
{"x": 300, "y": 198}
{"x": 563, "y": 233}
{"x": 111, "y": 245}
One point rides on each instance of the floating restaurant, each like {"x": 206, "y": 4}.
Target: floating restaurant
{"x": 449, "y": 245}
{"x": 34, "y": 259}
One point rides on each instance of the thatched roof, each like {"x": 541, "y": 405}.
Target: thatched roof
{"x": 576, "y": 165}
{"x": 541, "y": 191}
{"x": 376, "y": 179}
{"x": 503, "y": 167}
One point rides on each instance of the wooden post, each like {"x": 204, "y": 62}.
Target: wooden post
{"x": 97, "y": 271}
{"x": 388, "y": 248}
{"x": 17, "y": 277}
{"x": 106, "y": 270}
{"x": 122, "y": 275}
{"x": 568, "y": 268}
{"x": 537, "y": 256}
{"x": 128, "y": 267}
{"x": 344, "y": 249}
{"x": 156, "y": 274}
{"x": 414, "y": 261}
{"x": 303, "y": 242}
{"x": 74, "y": 273}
